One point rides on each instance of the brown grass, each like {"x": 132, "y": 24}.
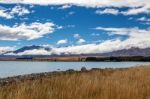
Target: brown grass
{"x": 132, "y": 83}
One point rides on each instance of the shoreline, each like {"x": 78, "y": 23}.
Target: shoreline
{"x": 78, "y": 58}
{"x": 34, "y": 76}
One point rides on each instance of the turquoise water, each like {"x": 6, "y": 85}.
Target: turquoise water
{"x": 14, "y": 68}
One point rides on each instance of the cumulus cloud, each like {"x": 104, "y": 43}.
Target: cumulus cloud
{"x": 62, "y": 42}
{"x": 80, "y": 40}
{"x": 26, "y": 32}
{"x": 5, "y": 14}
{"x": 10, "y": 13}
{"x": 20, "y": 11}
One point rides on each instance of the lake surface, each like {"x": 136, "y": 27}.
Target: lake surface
{"x": 14, "y": 68}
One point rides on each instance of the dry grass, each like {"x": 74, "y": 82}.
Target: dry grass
{"x": 132, "y": 83}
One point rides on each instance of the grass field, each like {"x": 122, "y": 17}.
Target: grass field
{"x": 131, "y": 83}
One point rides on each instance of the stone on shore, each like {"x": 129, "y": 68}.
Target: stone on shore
{"x": 83, "y": 69}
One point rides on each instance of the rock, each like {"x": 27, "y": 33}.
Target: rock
{"x": 70, "y": 70}
{"x": 83, "y": 69}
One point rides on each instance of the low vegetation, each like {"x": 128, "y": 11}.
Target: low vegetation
{"x": 77, "y": 58}
{"x": 131, "y": 83}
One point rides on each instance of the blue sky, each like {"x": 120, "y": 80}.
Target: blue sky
{"x": 76, "y": 23}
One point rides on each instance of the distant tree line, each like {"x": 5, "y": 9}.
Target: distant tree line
{"x": 92, "y": 58}
{"x": 120, "y": 58}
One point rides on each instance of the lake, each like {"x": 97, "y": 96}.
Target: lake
{"x": 14, "y": 68}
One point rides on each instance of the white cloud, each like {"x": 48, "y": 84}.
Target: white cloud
{"x": 81, "y": 41}
{"x": 80, "y": 49}
{"x": 10, "y": 13}
{"x": 125, "y": 31}
{"x": 136, "y": 38}
{"x": 108, "y": 11}
{"x": 130, "y": 11}
{"x": 135, "y": 11}
{"x": 87, "y": 3}
{"x": 26, "y": 32}
{"x": 59, "y": 27}
{"x": 62, "y": 42}
{"x": 65, "y": 6}
{"x": 20, "y": 11}
{"x": 6, "y": 49}
{"x": 143, "y": 19}
{"x": 77, "y": 36}
{"x": 135, "y": 6}
{"x": 4, "y": 14}
{"x": 119, "y": 31}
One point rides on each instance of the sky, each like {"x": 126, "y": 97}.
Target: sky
{"x": 74, "y": 26}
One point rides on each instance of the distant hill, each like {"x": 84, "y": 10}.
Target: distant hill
{"x": 25, "y": 48}
{"x": 129, "y": 52}
{"x": 31, "y": 48}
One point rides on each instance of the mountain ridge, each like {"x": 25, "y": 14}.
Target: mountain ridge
{"x": 134, "y": 51}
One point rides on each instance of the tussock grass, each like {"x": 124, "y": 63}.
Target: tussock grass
{"x": 132, "y": 83}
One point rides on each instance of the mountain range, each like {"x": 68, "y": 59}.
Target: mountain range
{"x": 129, "y": 52}
{"x": 124, "y": 52}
